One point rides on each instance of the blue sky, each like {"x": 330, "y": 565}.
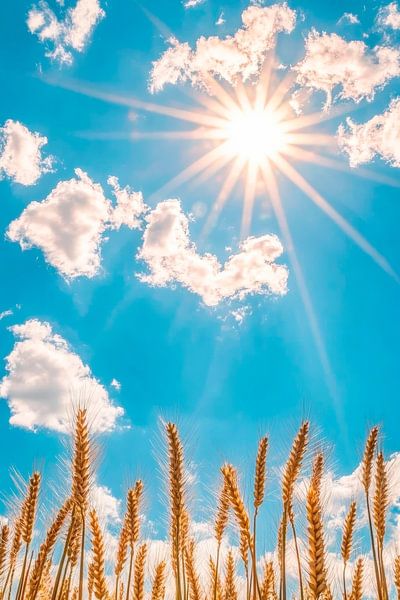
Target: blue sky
{"x": 225, "y": 381}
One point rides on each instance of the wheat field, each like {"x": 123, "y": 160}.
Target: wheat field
{"x": 70, "y": 562}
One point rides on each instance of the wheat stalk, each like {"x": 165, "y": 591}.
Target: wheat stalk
{"x": 380, "y": 506}
{"x": 291, "y": 472}
{"x": 366, "y": 476}
{"x": 177, "y": 500}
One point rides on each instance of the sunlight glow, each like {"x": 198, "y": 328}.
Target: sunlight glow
{"x": 254, "y": 134}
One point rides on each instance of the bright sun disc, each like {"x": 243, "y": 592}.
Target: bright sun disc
{"x": 254, "y": 135}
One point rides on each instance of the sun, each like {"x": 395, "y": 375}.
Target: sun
{"x": 254, "y": 135}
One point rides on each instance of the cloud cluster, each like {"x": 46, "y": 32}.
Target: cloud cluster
{"x": 69, "y": 225}
{"x": 69, "y": 34}
{"x": 45, "y": 377}
{"x": 21, "y": 153}
{"x": 389, "y": 16}
{"x": 331, "y": 62}
{"x": 235, "y": 57}
{"x": 380, "y": 136}
{"x": 173, "y": 258}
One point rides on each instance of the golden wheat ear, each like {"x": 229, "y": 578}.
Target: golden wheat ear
{"x": 380, "y": 507}
{"x": 46, "y": 549}
{"x": 158, "y": 587}
{"x": 138, "y": 581}
{"x": 179, "y": 523}
{"x": 396, "y": 575}
{"x": 29, "y": 509}
{"x": 357, "y": 583}
{"x": 195, "y": 592}
{"x": 268, "y": 590}
{"x": 317, "y": 581}
{"x": 347, "y": 541}
{"x": 99, "y": 579}
{"x": 230, "y": 589}
{"x": 260, "y": 472}
{"x": 4, "y": 535}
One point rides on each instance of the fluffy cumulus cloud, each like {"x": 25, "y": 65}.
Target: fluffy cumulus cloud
{"x": 330, "y": 62}
{"x": 173, "y": 258}
{"x": 69, "y": 225}
{"x": 21, "y": 153}
{"x": 45, "y": 378}
{"x": 235, "y": 57}
{"x": 380, "y": 136}
{"x": 389, "y": 16}
{"x": 72, "y": 33}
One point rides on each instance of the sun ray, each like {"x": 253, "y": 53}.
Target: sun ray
{"x": 248, "y": 128}
{"x": 262, "y": 89}
{"x": 226, "y": 190}
{"x": 292, "y": 174}
{"x": 310, "y": 139}
{"x": 249, "y": 196}
{"x": 272, "y": 189}
{"x": 194, "y": 168}
{"x": 280, "y": 92}
{"x": 325, "y": 161}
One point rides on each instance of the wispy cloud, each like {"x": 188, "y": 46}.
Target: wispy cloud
{"x": 193, "y": 3}
{"x": 350, "y": 18}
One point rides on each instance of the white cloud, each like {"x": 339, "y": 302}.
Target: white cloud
{"x": 193, "y": 3}
{"x": 349, "y": 18}
{"x": 108, "y": 507}
{"x": 173, "y": 258}
{"x": 389, "y": 16}
{"x": 69, "y": 225}
{"x": 235, "y": 57}
{"x": 44, "y": 379}
{"x": 21, "y": 153}
{"x": 69, "y": 34}
{"x": 380, "y": 136}
{"x": 330, "y": 62}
